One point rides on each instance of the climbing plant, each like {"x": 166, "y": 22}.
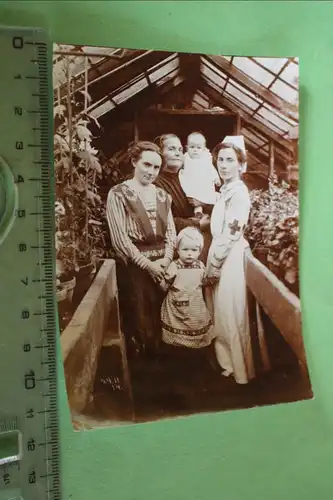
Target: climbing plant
{"x": 77, "y": 169}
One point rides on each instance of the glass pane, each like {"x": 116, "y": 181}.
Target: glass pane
{"x": 253, "y": 138}
{"x": 249, "y": 143}
{"x": 202, "y": 96}
{"x": 172, "y": 64}
{"x": 199, "y": 100}
{"x": 240, "y": 96}
{"x": 255, "y": 133}
{"x": 100, "y": 50}
{"x": 101, "y": 110}
{"x": 196, "y": 105}
{"x": 251, "y": 69}
{"x": 274, "y": 64}
{"x": 290, "y": 74}
{"x": 239, "y": 104}
{"x": 168, "y": 77}
{"x": 212, "y": 84}
{"x": 281, "y": 124}
{"x": 218, "y": 79}
{"x": 245, "y": 91}
{"x": 281, "y": 115}
{"x": 131, "y": 91}
{"x": 285, "y": 92}
{"x": 269, "y": 126}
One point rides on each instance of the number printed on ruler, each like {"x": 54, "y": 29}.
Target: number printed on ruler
{"x": 28, "y": 413}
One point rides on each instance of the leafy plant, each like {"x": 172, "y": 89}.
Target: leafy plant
{"x": 273, "y": 230}
{"x": 77, "y": 169}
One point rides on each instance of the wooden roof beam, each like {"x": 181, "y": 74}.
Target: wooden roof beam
{"x": 121, "y": 75}
{"x": 246, "y": 117}
{"x": 276, "y": 102}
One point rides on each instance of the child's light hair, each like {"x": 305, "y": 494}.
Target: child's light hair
{"x": 191, "y": 233}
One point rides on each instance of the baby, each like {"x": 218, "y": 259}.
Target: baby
{"x": 186, "y": 320}
{"x": 199, "y": 178}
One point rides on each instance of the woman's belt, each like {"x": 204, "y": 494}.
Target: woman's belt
{"x": 144, "y": 247}
{"x": 151, "y": 251}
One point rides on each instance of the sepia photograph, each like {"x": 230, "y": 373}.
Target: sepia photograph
{"x": 177, "y": 233}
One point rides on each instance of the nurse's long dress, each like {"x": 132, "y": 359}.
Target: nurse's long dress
{"x": 228, "y": 299}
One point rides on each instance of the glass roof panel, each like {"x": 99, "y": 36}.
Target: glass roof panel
{"x": 274, "y": 64}
{"x": 167, "y": 77}
{"x": 100, "y": 50}
{"x": 246, "y": 92}
{"x": 290, "y": 74}
{"x": 131, "y": 91}
{"x": 237, "y": 94}
{"x": 102, "y": 109}
{"x": 285, "y": 92}
{"x": 267, "y": 124}
{"x": 217, "y": 78}
{"x": 212, "y": 84}
{"x": 253, "y": 138}
{"x": 199, "y": 99}
{"x": 252, "y": 70}
{"x": 281, "y": 124}
{"x": 171, "y": 64}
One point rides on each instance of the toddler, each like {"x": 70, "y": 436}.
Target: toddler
{"x": 186, "y": 320}
{"x": 198, "y": 177}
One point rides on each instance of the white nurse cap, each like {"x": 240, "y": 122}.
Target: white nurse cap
{"x": 238, "y": 141}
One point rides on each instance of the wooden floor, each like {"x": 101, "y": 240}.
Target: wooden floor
{"x": 163, "y": 388}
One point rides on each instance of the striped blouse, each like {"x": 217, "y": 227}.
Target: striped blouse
{"x": 124, "y": 227}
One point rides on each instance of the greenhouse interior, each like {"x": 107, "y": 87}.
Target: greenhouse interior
{"x": 106, "y": 98}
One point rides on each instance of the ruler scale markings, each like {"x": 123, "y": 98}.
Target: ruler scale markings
{"x": 36, "y": 477}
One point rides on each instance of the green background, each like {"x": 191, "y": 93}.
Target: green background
{"x": 278, "y": 452}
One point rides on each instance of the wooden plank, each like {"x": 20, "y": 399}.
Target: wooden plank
{"x": 261, "y": 92}
{"x": 271, "y": 158}
{"x": 82, "y": 339}
{"x": 281, "y": 305}
{"x": 117, "y": 77}
{"x": 262, "y": 340}
{"x": 246, "y": 117}
{"x": 167, "y": 111}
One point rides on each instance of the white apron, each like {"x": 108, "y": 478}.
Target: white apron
{"x": 227, "y": 299}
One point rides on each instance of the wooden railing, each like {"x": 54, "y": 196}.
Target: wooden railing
{"x": 95, "y": 324}
{"x": 280, "y": 305}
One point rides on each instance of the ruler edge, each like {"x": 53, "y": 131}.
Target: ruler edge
{"x": 40, "y": 35}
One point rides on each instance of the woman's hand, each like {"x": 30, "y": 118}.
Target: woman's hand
{"x": 214, "y": 273}
{"x": 156, "y": 271}
{"x": 210, "y": 281}
{"x": 204, "y": 223}
{"x": 163, "y": 263}
{"x": 194, "y": 202}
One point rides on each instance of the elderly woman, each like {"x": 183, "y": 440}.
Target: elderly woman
{"x": 225, "y": 267}
{"x": 143, "y": 236}
{"x": 173, "y": 160}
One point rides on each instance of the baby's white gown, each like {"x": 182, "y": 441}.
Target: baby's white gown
{"x": 197, "y": 178}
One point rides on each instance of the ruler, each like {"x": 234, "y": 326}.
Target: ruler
{"x": 29, "y": 451}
